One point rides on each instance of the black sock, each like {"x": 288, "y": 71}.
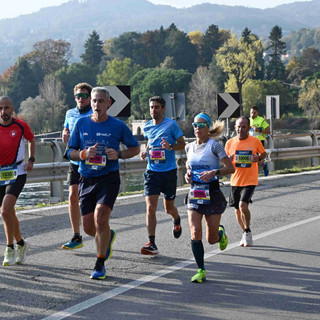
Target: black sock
{"x": 99, "y": 263}
{"x": 21, "y": 243}
{"x": 11, "y": 246}
{"x": 177, "y": 221}
{"x": 152, "y": 238}
{"x": 198, "y": 252}
{"x": 247, "y": 230}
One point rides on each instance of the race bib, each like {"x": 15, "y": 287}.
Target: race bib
{"x": 157, "y": 155}
{"x": 8, "y": 174}
{"x": 243, "y": 158}
{"x": 97, "y": 161}
{"x": 199, "y": 194}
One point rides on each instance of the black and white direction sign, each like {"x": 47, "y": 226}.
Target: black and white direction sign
{"x": 120, "y": 97}
{"x": 228, "y": 105}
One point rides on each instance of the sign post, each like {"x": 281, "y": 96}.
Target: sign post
{"x": 175, "y": 106}
{"x": 228, "y": 107}
{"x": 272, "y": 109}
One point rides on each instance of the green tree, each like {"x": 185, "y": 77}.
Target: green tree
{"x": 50, "y": 54}
{"x": 249, "y": 38}
{"x": 72, "y": 75}
{"x": 309, "y": 97}
{"x": 179, "y": 46}
{"x": 24, "y": 82}
{"x": 304, "y": 66}
{"x": 275, "y": 69}
{"x": 93, "y": 50}
{"x": 255, "y": 92}
{"x": 213, "y": 39}
{"x": 117, "y": 72}
{"x": 238, "y": 59}
{"x": 155, "y": 81}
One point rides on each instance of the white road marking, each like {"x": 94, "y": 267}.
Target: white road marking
{"x": 134, "y": 284}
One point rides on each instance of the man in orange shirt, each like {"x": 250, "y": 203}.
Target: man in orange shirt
{"x": 245, "y": 152}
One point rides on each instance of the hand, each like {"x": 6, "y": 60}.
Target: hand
{"x": 187, "y": 176}
{"x": 112, "y": 154}
{"x": 28, "y": 166}
{"x": 143, "y": 155}
{"x": 206, "y": 176}
{"x": 91, "y": 152}
{"x": 65, "y": 135}
{"x": 165, "y": 144}
{"x": 255, "y": 158}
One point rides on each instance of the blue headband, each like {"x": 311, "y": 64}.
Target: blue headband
{"x": 204, "y": 117}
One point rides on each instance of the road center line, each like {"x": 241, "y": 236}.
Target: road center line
{"x": 134, "y": 284}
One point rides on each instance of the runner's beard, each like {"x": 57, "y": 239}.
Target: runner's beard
{"x": 5, "y": 117}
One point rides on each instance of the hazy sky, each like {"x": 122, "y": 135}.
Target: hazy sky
{"x": 14, "y": 8}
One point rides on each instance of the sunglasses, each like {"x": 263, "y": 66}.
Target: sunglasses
{"x": 82, "y": 95}
{"x": 199, "y": 124}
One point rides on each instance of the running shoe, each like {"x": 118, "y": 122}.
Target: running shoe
{"x": 177, "y": 230}
{"x": 74, "y": 243}
{"x": 9, "y": 255}
{"x": 99, "y": 272}
{"x": 22, "y": 252}
{"x": 112, "y": 238}
{"x": 265, "y": 169}
{"x": 223, "y": 243}
{"x": 199, "y": 276}
{"x": 242, "y": 239}
{"x": 150, "y": 249}
{"x": 248, "y": 242}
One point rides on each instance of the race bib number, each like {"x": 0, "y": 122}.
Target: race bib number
{"x": 199, "y": 194}
{"x": 243, "y": 158}
{"x": 97, "y": 161}
{"x": 157, "y": 155}
{"x": 8, "y": 174}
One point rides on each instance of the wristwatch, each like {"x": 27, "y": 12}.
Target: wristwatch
{"x": 32, "y": 159}
{"x": 217, "y": 172}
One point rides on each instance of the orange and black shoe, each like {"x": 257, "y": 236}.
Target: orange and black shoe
{"x": 177, "y": 230}
{"x": 150, "y": 249}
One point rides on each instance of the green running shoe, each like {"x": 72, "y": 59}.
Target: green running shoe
{"x": 9, "y": 257}
{"x": 199, "y": 276}
{"x": 223, "y": 243}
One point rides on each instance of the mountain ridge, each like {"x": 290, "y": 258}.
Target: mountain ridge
{"x": 74, "y": 20}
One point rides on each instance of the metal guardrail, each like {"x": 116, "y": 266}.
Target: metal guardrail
{"x": 56, "y": 172}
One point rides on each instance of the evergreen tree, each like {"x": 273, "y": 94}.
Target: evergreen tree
{"x": 276, "y": 69}
{"x": 24, "y": 82}
{"x": 93, "y": 50}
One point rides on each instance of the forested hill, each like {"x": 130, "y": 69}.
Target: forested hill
{"x": 73, "y": 21}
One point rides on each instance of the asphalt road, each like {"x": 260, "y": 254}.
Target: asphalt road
{"x": 278, "y": 278}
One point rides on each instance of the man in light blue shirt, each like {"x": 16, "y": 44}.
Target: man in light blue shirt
{"x": 164, "y": 137}
{"x": 82, "y": 96}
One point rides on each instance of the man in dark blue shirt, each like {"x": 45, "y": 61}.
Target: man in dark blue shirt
{"x": 95, "y": 143}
